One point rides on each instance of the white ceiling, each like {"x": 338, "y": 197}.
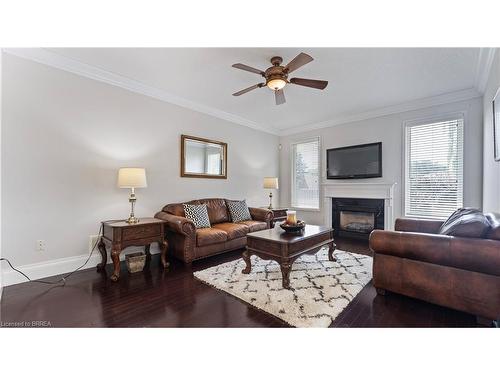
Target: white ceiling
{"x": 360, "y": 79}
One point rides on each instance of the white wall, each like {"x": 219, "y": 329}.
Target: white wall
{"x": 389, "y": 131}
{"x": 1, "y": 90}
{"x": 491, "y": 179}
{"x": 64, "y": 138}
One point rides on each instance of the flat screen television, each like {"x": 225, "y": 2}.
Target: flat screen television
{"x": 361, "y": 161}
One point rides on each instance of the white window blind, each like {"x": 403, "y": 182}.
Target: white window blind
{"x": 434, "y": 169}
{"x": 305, "y": 174}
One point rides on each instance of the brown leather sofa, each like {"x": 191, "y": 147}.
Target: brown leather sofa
{"x": 457, "y": 272}
{"x": 188, "y": 243}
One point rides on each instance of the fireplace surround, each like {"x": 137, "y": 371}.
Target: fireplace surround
{"x": 364, "y": 190}
{"x": 357, "y": 217}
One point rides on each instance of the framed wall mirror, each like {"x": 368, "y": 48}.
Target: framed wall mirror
{"x": 203, "y": 158}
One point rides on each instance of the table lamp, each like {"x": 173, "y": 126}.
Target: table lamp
{"x": 270, "y": 183}
{"x": 131, "y": 178}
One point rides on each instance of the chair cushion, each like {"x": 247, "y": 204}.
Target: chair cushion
{"x": 232, "y": 230}
{"x": 239, "y": 211}
{"x": 210, "y": 236}
{"x": 198, "y": 214}
{"x": 466, "y": 222}
{"x": 253, "y": 225}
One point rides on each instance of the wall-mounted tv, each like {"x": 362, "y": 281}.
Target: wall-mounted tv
{"x": 361, "y": 161}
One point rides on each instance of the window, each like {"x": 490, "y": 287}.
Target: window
{"x": 434, "y": 168}
{"x": 305, "y": 174}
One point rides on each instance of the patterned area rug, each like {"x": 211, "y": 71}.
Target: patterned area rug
{"x": 321, "y": 289}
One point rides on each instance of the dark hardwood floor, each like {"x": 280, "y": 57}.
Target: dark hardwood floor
{"x": 174, "y": 298}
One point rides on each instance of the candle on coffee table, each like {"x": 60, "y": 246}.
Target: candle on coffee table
{"x": 291, "y": 217}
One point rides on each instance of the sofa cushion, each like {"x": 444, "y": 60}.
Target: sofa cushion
{"x": 253, "y": 225}
{"x": 238, "y": 211}
{"x": 198, "y": 214}
{"x": 217, "y": 248}
{"x": 210, "y": 236}
{"x": 233, "y": 230}
{"x": 217, "y": 209}
{"x": 466, "y": 222}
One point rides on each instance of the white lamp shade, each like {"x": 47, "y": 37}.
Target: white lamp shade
{"x": 132, "y": 178}
{"x": 270, "y": 182}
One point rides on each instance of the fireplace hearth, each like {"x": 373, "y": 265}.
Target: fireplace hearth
{"x": 357, "y": 217}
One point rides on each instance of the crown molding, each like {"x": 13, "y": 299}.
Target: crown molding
{"x": 55, "y": 60}
{"x": 483, "y": 68}
{"x": 43, "y": 56}
{"x": 431, "y": 101}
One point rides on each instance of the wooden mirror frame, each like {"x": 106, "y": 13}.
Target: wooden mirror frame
{"x": 185, "y": 138}
{"x": 496, "y": 126}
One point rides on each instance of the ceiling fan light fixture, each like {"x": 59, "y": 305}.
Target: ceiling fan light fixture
{"x": 276, "y": 84}
{"x": 276, "y": 76}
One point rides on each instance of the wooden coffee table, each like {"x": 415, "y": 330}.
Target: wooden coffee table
{"x": 284, "y": 248}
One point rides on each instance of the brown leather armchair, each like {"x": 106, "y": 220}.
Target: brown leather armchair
{"x": 457, "y": 272}
{"x": 188, "y": 243}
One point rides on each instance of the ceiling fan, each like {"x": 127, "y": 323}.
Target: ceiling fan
{"x": 277, "y": 76}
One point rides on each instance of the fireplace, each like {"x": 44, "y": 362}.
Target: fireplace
{"x": 357, "y": 217}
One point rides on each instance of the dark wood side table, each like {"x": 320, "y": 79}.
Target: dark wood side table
{"x": 279, "y": 214}
{"x": 118, "y": 235}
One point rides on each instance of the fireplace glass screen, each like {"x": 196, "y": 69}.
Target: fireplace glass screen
{"x": 361, "y": 222}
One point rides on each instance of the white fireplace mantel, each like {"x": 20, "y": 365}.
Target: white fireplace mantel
{"x": 368, "y": 190}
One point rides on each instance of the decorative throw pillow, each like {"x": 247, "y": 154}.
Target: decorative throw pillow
{"x": 466, "y": 222}
{"x": 494, "y": 221}
{"x": 239, "y": 211}
{"x": 198, "y": 213}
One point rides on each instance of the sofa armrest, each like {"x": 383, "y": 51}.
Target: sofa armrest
{"x": 418, "y": 225}
{"x": 261, "y": 214}
{"x": 177, "y": 224}
{"x": 473, "y": 254}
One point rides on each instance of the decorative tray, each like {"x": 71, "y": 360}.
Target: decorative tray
{"x": 293, "y": 228}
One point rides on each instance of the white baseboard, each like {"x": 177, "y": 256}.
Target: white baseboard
{"x": 51, "y": 268}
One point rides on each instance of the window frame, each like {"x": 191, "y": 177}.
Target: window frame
{"x": 292, "y": 184}
{"x": 461, "y": 115}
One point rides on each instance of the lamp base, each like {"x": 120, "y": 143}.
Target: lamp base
{"x": 132, "y": 220}
{"x": 270, "y": 201}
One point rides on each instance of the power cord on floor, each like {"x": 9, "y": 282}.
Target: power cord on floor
{"x": 62, "y": 279}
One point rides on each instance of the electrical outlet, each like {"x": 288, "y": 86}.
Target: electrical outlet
{"x": 93, "y": 240}
{"x": 40, "y": 245}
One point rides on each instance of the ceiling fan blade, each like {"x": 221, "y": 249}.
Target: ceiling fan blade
{"x": 313, "y": 83}
{"x": 244, "y": 91}
{"x": 279, "y": 95}
{"x": 299, "y": 60}
{"x": 248, "y": 68}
